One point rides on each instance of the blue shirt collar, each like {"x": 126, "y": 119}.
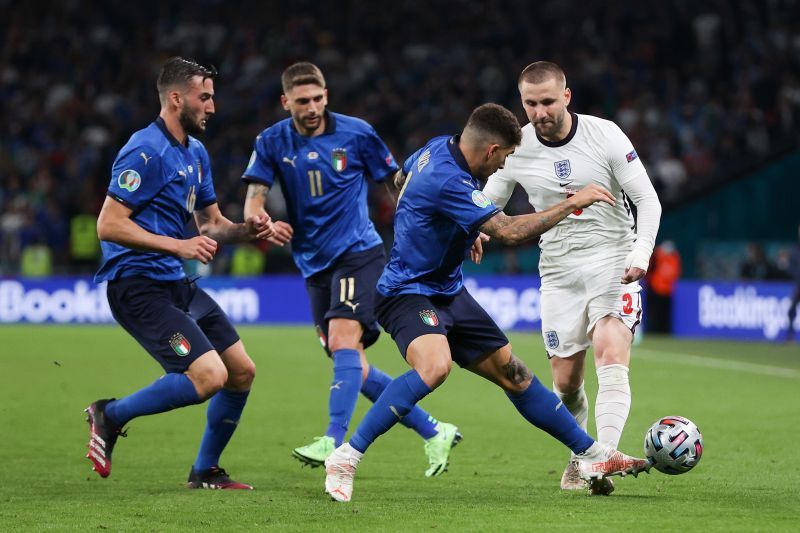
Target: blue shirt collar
{"x": 452, "y": 145}
{"x": 163, "y": 127}
{"x": 330, "y": 124}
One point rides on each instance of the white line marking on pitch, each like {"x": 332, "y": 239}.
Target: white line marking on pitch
{"x": 710, "y": 362}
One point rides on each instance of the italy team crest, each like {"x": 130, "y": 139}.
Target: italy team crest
{"x": 179, "y": 343}
{"x": 429, "y": 317}
{"x": 563, "y": 169}
{"x": 339, "y": 158}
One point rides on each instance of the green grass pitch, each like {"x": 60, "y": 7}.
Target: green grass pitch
{"x": 503, "y": 476}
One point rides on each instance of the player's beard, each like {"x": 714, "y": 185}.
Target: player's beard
{"x": 552, "y": 128}
{"x": 190, "y": 124}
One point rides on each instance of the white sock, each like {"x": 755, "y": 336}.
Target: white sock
{"x": 613, "y": 403}
{"x": 577, "y": 403}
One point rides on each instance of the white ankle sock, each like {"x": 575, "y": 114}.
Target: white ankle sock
{"x": 613, "y": 403}
{"x": 577, "y": 403}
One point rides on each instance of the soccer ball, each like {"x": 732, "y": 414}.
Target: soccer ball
{"x": 673, "y": 445}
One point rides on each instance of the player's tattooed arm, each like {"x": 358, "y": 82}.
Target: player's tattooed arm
{"x": 516, "y": 371}
{"x": 214, "y": 225}
{"x": 518, "y": 229}
{"x": 254, "y": 206}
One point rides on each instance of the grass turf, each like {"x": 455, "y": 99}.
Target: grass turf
{"x": 503, "y": 476}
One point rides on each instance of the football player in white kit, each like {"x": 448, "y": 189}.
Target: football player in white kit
{"x": 591, "y": 262}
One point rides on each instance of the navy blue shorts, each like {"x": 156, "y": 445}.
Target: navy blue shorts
{"x": 175, "y": 321}
{"x": 346, "y": 289}
{"x": 471, "y": 332}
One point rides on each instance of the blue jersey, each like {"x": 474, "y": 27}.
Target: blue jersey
{"x": 163, "y": 182}
{"x": 323, "y": 181}
{"x": 440, "y": 210}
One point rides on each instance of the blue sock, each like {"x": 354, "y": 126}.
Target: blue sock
{"x": 224, "y": 411}
{"x": 166, "y": 393}
{"x": 542, "y": 408}
{"x": 418, "y": 420}
{"x": 344, "y": 392}
{"x": 397, "y": 400}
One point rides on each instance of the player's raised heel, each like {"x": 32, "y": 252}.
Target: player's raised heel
{"x": 571, "y": 478}
{"x": 437, "y": 448}
{"x": 103, "y": 436}
{"x": 314, "y": 454}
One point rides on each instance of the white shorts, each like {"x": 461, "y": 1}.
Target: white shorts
{"x": 580, "y": 289}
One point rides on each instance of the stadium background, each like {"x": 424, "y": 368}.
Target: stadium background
{"x": 709, "y": 93}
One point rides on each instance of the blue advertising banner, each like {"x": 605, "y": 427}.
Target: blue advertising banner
{"x": 733, "y": 310}
{"x": 512, "y": 301}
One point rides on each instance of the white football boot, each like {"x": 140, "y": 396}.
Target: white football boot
{"x": 340, "y": 469}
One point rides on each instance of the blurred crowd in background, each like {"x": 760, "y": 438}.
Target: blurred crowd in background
{"x": 707, "y": 92}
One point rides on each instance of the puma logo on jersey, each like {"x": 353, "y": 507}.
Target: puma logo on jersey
{"x": 146, "y": 159}
{"x": 290, "y": 161}
{"x": 351, "y": 305}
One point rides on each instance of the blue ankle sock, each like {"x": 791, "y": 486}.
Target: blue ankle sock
{"x": 397, "y": 400}
{"x": 224, "y": 411}
{"x": 542, "y": 408}
{"x": 418, "y": 420}
{"x": 344, "y": 392}
{"x": 166, "y": 393}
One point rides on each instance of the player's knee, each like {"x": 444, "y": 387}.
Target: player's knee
{"x": 344, "y": 335}
{"x": 338, "y": 342}
{"x": 209, "y": 383}
{"x": 516, "y": 376}
{"x": 434, "y": 372}
{"x": 242, "y": 377}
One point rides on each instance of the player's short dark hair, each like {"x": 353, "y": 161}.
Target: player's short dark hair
{"x": 303, "y": 73}
{"x": 492, "y": 123}
{"x": 541, "y": 71}
{"x": 179, "y": 71}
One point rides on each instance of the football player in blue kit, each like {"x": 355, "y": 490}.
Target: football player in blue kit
{"x": 427, "y": 310}
{"x": 321, "y": 160}
{"x": 160, "y": 179}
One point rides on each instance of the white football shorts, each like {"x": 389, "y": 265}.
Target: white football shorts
{"x": 580, "y": 289}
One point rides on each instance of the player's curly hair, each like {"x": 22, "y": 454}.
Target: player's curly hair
{"x": 303, "y": 73}
{"x": 494, "y": 123}
{"x": 178, "y": 71}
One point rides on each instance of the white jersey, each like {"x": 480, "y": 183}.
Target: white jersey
{"x": 594, "y": 151}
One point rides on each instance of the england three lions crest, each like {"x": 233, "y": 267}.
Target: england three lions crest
{"x": 563, "y": 169}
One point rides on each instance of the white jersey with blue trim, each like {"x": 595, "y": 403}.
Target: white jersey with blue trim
{"x": 594, "y": 151}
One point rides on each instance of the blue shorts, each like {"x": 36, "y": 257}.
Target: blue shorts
{"x": 346, "y": 289}
{"x": 175, "y": 321}
{"x": 470, "y": 331}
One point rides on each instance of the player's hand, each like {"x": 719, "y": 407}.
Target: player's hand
{"x": 590, "y": 194}
{"x": 201, "y": 248}
{"x": 283, "y": 233}
{"x": 260, "y": 226}
{"x": 476, "y": 252}
{"x": 633, "y": 274}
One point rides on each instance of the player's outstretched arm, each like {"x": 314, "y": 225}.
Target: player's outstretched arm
{"x": 254, "y": 204}
{"x": 518, "y": 229}
{"x": 212, "y": 223}
{"x": 115, "y": 225}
